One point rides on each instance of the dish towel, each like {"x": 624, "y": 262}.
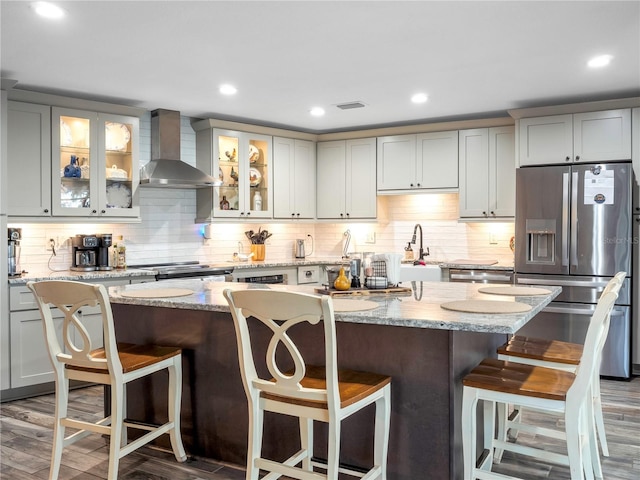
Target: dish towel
{"x": 392, "y": 265}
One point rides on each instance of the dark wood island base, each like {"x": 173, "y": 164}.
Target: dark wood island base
{"x": 426, "y": 366}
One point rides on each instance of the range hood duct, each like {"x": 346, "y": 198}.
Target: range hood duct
{"x": 165, "y": 168}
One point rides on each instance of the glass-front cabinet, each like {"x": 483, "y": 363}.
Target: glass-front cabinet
{"x": 242, "y": 161}
{"x": 95, "y": 164}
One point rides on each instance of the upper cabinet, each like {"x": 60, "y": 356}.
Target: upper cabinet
{"x": 294, "y": 178}
{"x": 635, "y": 142}
{"x": 346, "y": 179}
{"x": 242, "y": 161}
{"x": 487, "y": 173}
{"x": 29, "y": 159}
{"x": 580, "y": 137}
{"x": 417, "y": 163}
{"x": 94, "y": 164}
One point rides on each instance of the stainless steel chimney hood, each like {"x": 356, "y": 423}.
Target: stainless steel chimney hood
{"x": 165, "y": 168}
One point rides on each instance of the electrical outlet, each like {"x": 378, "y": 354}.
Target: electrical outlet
{"x": 370, "y": 237}
{"x": 493, "y": 240}
{"x": 51, "y": 243}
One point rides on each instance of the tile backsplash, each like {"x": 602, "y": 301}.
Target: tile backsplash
{"x": 167, "y": 232}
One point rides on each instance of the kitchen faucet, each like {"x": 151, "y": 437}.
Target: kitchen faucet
{"x": 413, "y": 241}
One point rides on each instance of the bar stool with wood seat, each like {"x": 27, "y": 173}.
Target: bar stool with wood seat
{"x": 553, "y": 354}
{"x": 76, "y": 358}
{"x": 321, "y": 393}
{"x": 499, "y": 382}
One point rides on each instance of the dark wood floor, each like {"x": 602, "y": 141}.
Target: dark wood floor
{"x": 26, "y": 433}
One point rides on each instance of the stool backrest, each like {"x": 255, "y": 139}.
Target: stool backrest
{"x": 279, "y": 311}
{"x": 593, "y": 345}
{"x": 75, "y": 349}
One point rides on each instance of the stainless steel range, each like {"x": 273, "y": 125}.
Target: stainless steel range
{"x": 167, "y": 271}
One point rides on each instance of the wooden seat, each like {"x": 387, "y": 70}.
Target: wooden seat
{"x": 310, "y": 392}
{"x": 553, "y": 354}
{"x": 77, "y": 358}
{"x": 501, "y": 382}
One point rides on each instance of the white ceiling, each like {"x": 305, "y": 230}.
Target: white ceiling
{"x": 474, "y": 59}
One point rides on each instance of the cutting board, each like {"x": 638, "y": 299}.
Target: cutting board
{"x": 364, "y": 291}
{"x": 468, "y": 261}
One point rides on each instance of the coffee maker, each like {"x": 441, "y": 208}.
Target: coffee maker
{"x": 85, "y": 250}
{"x": 105, "y": 241}
{"x": 14, "y": 236}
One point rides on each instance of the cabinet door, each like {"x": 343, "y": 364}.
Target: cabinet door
{"x": 330, "y": 179}
{"x": 228, "y": 199}
{"x": 304, "y": 181}
{"x": 360, "y": 178}
{"x": 602, "y": 136}
{"x": 30, "y": 362}
{"x": 396, "y": 163}
{"x": 635, "y": 142}
{"x": 502, "y": 172}
{"x": 119, "y": 176}
{"x": 29, "y": 159}
{"x": 75, "y": 162}
{"x": 474, "y": 172}
{"x": 259, "y": 174}
{"x": 294, "y": 178}
{"x": 545, "y": 140}
{"x": 437, "y": 160}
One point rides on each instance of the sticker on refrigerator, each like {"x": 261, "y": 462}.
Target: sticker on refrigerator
{"x": 598, "y": 187}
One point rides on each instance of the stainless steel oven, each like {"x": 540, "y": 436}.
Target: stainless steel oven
{"x": 480, "y": 275}
{"x": 195, "y": 270}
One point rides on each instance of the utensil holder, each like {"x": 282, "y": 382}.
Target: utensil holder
{"x": 258, "y": 251}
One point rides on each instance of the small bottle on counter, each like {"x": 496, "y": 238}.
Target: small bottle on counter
{"x": 408, "y": 252}
{"x": 122, "y": 256}
{"x": 224, "y": 203}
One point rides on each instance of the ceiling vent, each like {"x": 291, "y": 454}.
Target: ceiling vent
{"x": 350, "y": 105}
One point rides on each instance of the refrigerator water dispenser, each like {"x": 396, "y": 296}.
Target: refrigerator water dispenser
{"x": 541, "y": 241}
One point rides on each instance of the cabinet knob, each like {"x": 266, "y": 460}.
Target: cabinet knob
{"x": 493, "y": 213}
{"x": 298, "y": 214}
{"x": 411, "y": 185}
{"x": 347, "y": 215}
{"x": 419, "y": 185}
{"x": 577, "y": 158}
{"x": 484, "y": 213}
{"x": 103, "y": 211}
{"x": 293, "y": 214}
{"x": 46, "y": 210}
{"x": 94, "y": 211}
{"x": 248, "y": 213}
{"x": 567, "y": 159}
{"x": 342, "y": 215}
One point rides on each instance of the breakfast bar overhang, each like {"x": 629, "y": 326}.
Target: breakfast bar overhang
{"x": 425, "y": 349}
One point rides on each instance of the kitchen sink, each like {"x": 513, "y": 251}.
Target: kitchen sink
{"x": 424, "y": 273}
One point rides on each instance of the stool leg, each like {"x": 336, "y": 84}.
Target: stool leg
{"x": 489, "y": 415}
{"x": 256, "y": 418}
{"x": 333, "y": 449}
{"x": 175, "y": 401}
{"x": 469, "y": 422}
{"x": 115, "y": 440}
{"x": 573, "y": 429}
{"x": 306, "y": 441}
{"x": 62, "y": 401}
{"x": 589, "y": 419}
{"x": 382, "y": 423}
{"x": 502, "y": 410}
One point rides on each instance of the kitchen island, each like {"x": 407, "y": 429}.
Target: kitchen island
{"x": 426, "y": 349}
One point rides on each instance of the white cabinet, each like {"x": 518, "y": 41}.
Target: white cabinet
{"x": 487, "y": 173}
{"x": 30, "y": 363}
{"x": 346, "y": 179}
{"x": 29, "y": 159}
{"x": 294, "y": 178}
{"x": 635, "y": 142}
{"x": 94, "y": 164}
{"x": 242, "y": 161}
{"x": 580, "y": 137}
{"x": 417, "y": 163}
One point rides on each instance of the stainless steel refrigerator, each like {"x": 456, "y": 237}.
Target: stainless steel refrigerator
{"x": 574, "y": 229}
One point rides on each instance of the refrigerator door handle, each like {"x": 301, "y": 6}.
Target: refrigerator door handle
{"x": 616, "y": 312}
{"x": 562, "y": 283}
{"x": 565, "y": 219}
{"x": 574, "y": 220}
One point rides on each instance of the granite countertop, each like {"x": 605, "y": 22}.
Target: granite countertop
{"x": 284, "y": 263}
{"x": 419, "y": 310}
{"x": 46, "y": 274}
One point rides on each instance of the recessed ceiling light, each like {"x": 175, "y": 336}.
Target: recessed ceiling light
{"x": 419, "y": 98}
{"x": 227, "y": 89}
{"x": 600, "y": 61}
{"x": 317, "y": 111}
{"x": 48, "y": 10}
